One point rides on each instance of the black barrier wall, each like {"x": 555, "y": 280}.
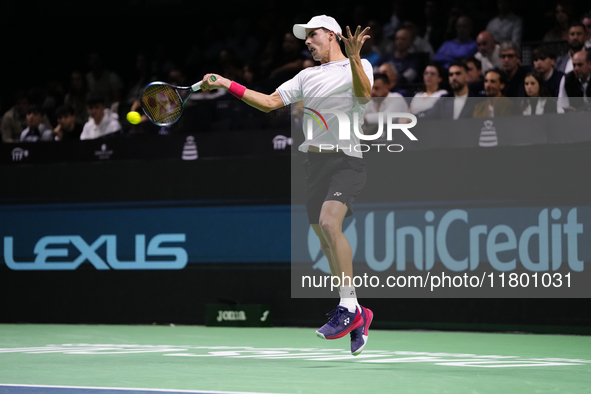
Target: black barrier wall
{"x": 86, "y": 295}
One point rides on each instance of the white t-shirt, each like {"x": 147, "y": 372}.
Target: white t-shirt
{"x": 459, "y": 102}
{"x": 328, "y": 86}
{"x": 422, "y": 101}
{"x": 489, "y": 62}
{"x": 569, "y": 65}
{"x": 563, "y": 101}
{"x": 46, "y": 134}
{"x": 539, "y": 110}
{"x": 109, "y": 124}
{"x": 394, "y": 102}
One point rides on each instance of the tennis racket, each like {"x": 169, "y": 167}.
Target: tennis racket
{"x": 162, "y": 102}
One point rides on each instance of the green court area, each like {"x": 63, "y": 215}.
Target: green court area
{"x": 287, "y": 360}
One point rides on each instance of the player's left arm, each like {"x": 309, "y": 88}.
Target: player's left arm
{"x": 353, "y": 44}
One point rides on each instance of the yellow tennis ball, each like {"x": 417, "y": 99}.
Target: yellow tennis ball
{"x": 133, "y": 117}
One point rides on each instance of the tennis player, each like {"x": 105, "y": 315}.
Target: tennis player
{"x": 334, "y": 177}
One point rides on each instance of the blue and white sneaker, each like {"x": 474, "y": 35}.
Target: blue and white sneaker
{"x": 341, "y": 323}
{"x": 359, "y": 336}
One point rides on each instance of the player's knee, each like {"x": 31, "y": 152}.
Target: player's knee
{"x": 330, "y": 228}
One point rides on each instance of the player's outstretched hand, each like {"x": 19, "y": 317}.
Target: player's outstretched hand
{"x": 214, "y": 81}
{"x": 354, "y": 42}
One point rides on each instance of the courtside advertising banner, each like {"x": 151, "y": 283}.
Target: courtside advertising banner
{"x": 508, "y": 245}
{"x": 164, "y": 235}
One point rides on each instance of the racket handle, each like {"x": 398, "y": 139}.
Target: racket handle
{"x": 197, "y": 86}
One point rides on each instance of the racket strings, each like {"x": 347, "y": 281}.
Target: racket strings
{"x": 161, "y": 103}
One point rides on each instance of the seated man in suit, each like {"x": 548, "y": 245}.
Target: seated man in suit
{"x": 575, "y": 87}
{"x": 576, "y": 43}
{"x": 496, "y": 103}
{"x": 456, "y": 105}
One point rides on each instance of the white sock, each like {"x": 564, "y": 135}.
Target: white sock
{"x": 349, "y": 298}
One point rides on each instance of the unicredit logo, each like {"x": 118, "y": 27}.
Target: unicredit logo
{"x": 461, "y": 243}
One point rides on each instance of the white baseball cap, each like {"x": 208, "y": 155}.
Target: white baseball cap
{"x": 327, "y": 22}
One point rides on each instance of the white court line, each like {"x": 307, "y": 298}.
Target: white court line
{"x": 132, "y": 389}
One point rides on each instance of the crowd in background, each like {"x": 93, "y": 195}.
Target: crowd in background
{"x": 450, "y": 51}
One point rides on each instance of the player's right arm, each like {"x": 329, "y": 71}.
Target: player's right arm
{"x": 260, "y": 101}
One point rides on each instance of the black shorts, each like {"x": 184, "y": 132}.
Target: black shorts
{"x": 332, "y": 176}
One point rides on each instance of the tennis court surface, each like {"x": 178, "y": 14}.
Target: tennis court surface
{"x": 85, "y": 359}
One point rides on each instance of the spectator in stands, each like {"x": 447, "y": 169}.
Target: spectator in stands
{"x": 368, "y": 51}
{"x": 537, "y": 100}
{"x": 242, "y": 42}
{"x": 488, "y": 51}
{"x": 270, "y": 56}
{"x": 36, "y": 130}
{"x": 77, "y": 95}
{"x": 53, "y": 97}
{"x": 251, "y": 73}
{"x": 381, "y": 44}
{"x": 214, "y": 35}
{"x": 161, "y": 64}
{"x": 359, "y": 15}
{"x": 68, "y": 129}
{"x": 458, "y": 107}
{"x": 506, "y": 26}
{"x": 452, "y": 18}
{"x": 230, "y": 64}
{"x": 511, "y": 65}
{"x": 586, "y": 21}
{"x": 382, "y": 100}
{"x": 103, "y": 82}
{"x": 475, "y": 77}
{"x": 391, "y": 27}
{"x": 433, "y": 78}
{"x": 101, "y": 121}
{"x": 496, "y": 103}
{"x": 575, "y": 89}
{"x": 576, "y": 42}
{"x": 290, "y": 61}
{"x": 407, "y": 64}
{"x": 392, "y": 74}
{"x": 432, "y": 29}
{"x": 544, "y": 58}
{"x": 563, "y": 17}
{"x": 195, "y": 63}
{"x": 177, "y": 77}
{"x": 461, "y": 46}
{"x": 474, "y": 69}
{"x": 141, "y": 78}
{"x": 14, "y": 120}
{"x": 419, "y": 45}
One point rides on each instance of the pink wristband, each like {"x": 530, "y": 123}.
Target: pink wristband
{"x": 237, "y": 90}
